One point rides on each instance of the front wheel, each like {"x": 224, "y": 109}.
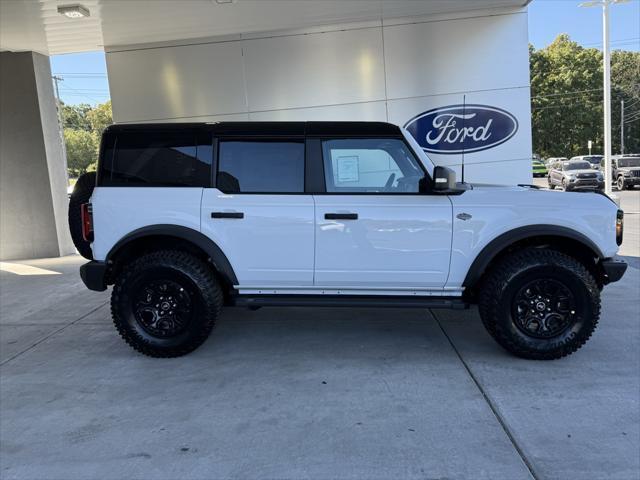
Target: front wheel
{"x": 540, "y": 304}
{"x": 620, "y": 183}
{"x": 165, "y": 303}
{"x": 552, "y": 186}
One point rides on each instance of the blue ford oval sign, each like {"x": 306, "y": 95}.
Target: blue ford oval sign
{"x": 462, "y": 128}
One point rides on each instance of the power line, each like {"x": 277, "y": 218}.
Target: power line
{"x": 87, "y": 74}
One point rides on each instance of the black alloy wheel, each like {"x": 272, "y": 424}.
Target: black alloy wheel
{"x": 164, "y": 308}
{"x": 165, "y": 303}
{"x": 544, "y": 308}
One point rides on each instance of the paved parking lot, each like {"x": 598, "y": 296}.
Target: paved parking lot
{"x": 311, "y": 393}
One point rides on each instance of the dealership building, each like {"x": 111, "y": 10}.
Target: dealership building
{"x": 454, "y": 72}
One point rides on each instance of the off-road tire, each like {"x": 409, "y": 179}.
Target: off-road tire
{"x": 620, "y": 183}
{"x": 82, "y": 191}
{"x": 199, "y": 283}
{"x": 505, "y": 279}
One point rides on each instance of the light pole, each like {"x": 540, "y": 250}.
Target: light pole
{"x": 607, "y": 86}
{"x": 621, "y": 127}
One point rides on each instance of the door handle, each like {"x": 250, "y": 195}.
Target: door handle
{"x": 340, "y": 216}
{"x": 227, "y": 215}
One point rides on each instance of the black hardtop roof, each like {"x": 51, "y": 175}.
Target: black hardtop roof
{"x": 259, "y": 129}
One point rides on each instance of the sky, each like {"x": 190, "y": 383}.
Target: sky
{"x": 85, "y": 74}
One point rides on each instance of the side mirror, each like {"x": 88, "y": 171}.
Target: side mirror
{"x": 443, "y": 179}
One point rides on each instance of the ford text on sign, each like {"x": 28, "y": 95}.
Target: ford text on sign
{"x": 462, "y": 128}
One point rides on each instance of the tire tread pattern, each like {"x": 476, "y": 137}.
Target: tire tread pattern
{"x": 209, "y": 289}
{"x": 501, "y": 275}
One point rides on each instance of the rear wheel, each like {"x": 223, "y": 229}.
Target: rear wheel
{"x": 540, "y": 304}
{"x": 82, "y": 192}
{"x": 165, "y": 303}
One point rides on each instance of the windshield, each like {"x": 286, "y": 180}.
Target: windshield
{"x": 423, "y": 157}
{"x": 594, "y": 160}
{"x": 576, "y": 166}
{"x": 629, "y": 162}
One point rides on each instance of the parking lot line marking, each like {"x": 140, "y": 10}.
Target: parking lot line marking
{"x": 20, "y": 269}
{"x": 47, "y": 337}
{"x": 489, "y": 402}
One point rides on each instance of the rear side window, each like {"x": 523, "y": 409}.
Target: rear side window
{"x": 157, "y": 159}
{"x": 261, "y": 167}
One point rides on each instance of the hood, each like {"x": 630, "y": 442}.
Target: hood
{"x": 502, "y": 188}
{"x": 584, "y": 170}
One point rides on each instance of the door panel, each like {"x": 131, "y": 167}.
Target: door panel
{"x": 395, "y": 241}
{"x": 268, "y": 239}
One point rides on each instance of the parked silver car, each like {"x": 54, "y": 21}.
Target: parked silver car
{"x": 575, "y": 175}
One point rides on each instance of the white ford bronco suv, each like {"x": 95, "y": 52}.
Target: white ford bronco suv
{"x": 184, "y": 219}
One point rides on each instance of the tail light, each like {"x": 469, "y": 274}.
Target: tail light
{"x": 87, "y": 222}
{"x": 619, "y": 226}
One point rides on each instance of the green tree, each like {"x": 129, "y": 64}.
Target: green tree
{"x": 83, "y": 127}
{"x": 625, "y": 85}
{"x": 75, "y": 116}
{"x": 100, "y": 117}
{"x": 566, "y": 98}
{"x": 82, "y": 150}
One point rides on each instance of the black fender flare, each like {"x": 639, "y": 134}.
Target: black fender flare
{"x": 498, "y": 244}
{"x": 215, "y": 253}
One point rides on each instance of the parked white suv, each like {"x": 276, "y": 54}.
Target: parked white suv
{"x": 184, "y": 219}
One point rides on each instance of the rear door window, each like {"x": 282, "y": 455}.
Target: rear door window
{"x": 261, "y": 166}
{"x": 158, "y": 158}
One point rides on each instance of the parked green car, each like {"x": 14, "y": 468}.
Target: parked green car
{"x": 539, "y": 169}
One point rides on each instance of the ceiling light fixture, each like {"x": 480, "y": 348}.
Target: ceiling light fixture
{"x": 73, "y": 11}
{"x": 220, "y": 2}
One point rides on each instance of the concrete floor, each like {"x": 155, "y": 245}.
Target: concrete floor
{"x": 311, "y": 393}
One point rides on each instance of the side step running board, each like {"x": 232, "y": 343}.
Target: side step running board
{"x": 258, "y": 301}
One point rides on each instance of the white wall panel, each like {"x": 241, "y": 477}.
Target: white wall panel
{"x": 456, "y": 55}
{"x": 173, "y": 82}
{"x": 232, "y": 117}
{"x": 516, "y": 101}
{"x": 368, "y": 111}
{"x": 316, "y": 69}
{"x": 346, "y": 72}
{"x": 508, "y": 172}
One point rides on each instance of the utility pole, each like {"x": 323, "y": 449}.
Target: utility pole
{"x": 607, "y": 85}
{"x": 607, "y": 98}
{"x": 621, "y": 127}
{"x": 57, "y": 79}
